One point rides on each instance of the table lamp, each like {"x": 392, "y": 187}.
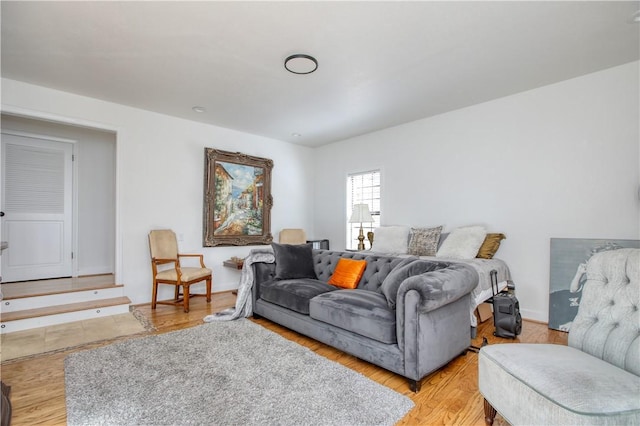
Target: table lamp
{"x": 361, "y": 215}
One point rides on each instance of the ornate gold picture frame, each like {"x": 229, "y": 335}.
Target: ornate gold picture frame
{"x": 237, "y": 199}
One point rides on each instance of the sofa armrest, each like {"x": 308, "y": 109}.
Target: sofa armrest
{"x": 439, "y": 287}
{"x": 262, "y": 272}
{"x": 432, "y": 317}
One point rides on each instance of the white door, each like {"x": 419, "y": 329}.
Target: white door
{"x": 37, "y": 204}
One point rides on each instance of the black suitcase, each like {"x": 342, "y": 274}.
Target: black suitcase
{"x": 506, "y": 310}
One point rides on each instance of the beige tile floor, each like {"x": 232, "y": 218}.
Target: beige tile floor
{"x": 54, "y": 337}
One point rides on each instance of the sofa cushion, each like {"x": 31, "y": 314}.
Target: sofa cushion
{"x": 348, "y": 273}
{"x": 391, "y": 283}
{"x": 293, "y": 261}
{"x": 293, "y": 294}
{"x": 360, "y": 311}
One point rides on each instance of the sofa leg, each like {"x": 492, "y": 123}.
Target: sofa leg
{"x": 256, "y": 316}
{"x": 489, "y": 413}
{"x": 415, "y": 385}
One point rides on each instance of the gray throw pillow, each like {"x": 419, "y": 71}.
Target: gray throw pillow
{"x": 294, "y": 261}
{"x": 392, "y": 282}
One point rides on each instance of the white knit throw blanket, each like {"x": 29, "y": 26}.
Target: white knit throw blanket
{"x": 244, "y": 302}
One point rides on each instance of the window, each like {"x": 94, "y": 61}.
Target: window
{"x": 362, "y": 188}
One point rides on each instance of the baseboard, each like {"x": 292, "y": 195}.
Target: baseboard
{"x": 537, "y": 316}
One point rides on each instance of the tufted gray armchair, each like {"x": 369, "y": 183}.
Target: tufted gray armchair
{"x": 593, "y": 380}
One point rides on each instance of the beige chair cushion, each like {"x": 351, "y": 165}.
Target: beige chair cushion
{"x": 292, "y": 236}
{"x": 188, "y": 274}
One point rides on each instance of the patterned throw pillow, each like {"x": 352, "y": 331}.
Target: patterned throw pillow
{"x": 424, "y": 241}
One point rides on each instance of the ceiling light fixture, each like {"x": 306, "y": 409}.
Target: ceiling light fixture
{"x": 199, "y": 109}
{"x": 301, "y": 64}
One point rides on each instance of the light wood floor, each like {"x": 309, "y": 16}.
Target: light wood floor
{"x": 449, "y": 396}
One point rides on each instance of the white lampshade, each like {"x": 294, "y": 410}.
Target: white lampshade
{"x": 361, "y": 214}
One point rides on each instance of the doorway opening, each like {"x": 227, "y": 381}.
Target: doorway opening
{"x": 76, "y": 238}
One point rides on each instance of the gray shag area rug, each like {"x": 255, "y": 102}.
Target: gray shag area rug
{"x": 221, "y": 373}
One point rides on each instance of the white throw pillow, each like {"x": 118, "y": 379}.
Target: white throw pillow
{"x": 391, "y": 239}
{"x": 463, "y": 243}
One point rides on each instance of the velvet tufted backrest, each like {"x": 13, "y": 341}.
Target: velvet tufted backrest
{"x": 608, "y": 321}
{"x": 378, "y": 267}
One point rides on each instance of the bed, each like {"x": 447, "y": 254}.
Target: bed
{"x": 462, "y": 245}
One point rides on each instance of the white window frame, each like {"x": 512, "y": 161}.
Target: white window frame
{"x": 363, "y": 188}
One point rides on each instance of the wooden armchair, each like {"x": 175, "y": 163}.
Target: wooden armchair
{"x": 164, "y": 250}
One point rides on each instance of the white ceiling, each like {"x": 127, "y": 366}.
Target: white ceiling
{"x": 380, "y": 63}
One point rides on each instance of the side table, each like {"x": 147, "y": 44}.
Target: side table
{"x": 233, "y": 264}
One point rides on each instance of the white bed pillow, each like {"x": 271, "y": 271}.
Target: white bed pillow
{"x": 463, "y": 243}
{"x": 391, "y": 239}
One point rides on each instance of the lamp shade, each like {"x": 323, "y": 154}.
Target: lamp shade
{"x": 360, "y": 214}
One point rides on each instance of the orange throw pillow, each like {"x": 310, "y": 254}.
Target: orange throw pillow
{"x": 348, "y": 273}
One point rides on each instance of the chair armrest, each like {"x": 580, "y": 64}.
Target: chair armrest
{"x": 193, "y": 255}
{"x": 158, "y": 260}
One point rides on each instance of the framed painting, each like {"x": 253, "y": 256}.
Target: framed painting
{"x": 237, "y": 199}
{"x": 567, "y": 274}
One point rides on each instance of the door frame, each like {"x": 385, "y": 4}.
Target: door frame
{"x": 74, "y": 187}
{"x": 78, "y": 122}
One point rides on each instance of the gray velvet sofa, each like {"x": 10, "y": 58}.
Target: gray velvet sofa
{"x": 406, "y": 315}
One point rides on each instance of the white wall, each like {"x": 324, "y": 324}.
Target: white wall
{"x": 561, "y": 161}
{"x": 160, "y": 166}
{"x": 95, "y": 153}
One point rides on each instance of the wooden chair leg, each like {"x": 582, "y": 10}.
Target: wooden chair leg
{"x": 209, "y": 289}
{"x": 176, "y": 293}
{"x": 154, "y": 294}
{"x": 489, "y": 413}
{"x": 185, "y": 290}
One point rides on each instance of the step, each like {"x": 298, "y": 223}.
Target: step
{"x": 60, "y": 297}
{"x": 60, "y": 314}
{"x": 24, "y": 289}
